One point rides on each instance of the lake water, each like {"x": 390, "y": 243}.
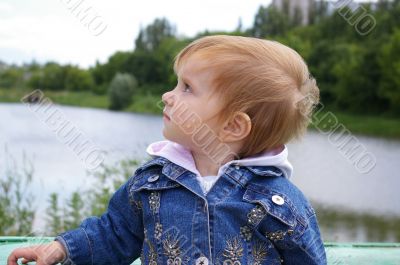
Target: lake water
{"x": 321, "y": 170}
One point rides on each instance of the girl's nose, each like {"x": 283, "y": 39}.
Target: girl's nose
{"x": 168, "y": 98}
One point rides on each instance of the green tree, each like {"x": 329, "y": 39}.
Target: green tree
{"x": 341, "y": 26}
{"x": 321, "y": 61}
{"x": 36, "y": 80}
{"x": 53, "y": 77}
{"x": 145, "y": 67}
{"x": 296, "y": 41}
{"x": 78, "y": 80}
{"x": 269, "y": 21}
{"x": 150, "y": 62}
{"x": 166, "y": 53}
{"x": 154, "y": 70}
{"x": 121, "y": 91}
{"x": 351, "y": 88}
{"x": 297, "y": 18}
{"x": 318, "y": 11}
{"x": 150, "y": 38}
{"x": 389, "y": 61}
{"x": 11, "y": 77}
{"x": 103, "y": 73}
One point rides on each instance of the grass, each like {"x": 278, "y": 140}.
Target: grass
{"x": 80, "y": 99}
{"x": 146, "y": 103}
{"x": 386, "y": 127}
{"x": 143, "y": 102}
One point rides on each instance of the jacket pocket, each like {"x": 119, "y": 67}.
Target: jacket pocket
{"x": 275, "y": 203}
{"x": 281, "y": 223}
{"x": 282, "y": 219}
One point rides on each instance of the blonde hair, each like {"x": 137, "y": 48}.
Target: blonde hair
{"x": 265, "y": 79}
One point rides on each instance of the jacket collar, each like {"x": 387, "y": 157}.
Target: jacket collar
{"x": 273, "y": 162}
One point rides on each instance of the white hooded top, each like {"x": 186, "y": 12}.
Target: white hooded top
{"x": 182, "y": 156}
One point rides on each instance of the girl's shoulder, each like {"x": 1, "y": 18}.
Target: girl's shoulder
{"x": 279, "y": 192}
{"x": 149, "y": 176}
{"x": 152, "y": 162}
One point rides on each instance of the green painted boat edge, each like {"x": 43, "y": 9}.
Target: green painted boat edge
{"x": 361, "y": 244}
{"x": 348, "y": 253}
{"x": 21, "y": 239}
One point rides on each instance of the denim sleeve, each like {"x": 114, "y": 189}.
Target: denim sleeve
{"x": 308, "y": 248}
{"x": 115, "y": 237}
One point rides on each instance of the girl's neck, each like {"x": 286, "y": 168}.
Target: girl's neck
{"x": 206, "y": 165}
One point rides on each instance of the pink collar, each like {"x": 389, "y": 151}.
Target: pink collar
{"x": 182, "y": 156}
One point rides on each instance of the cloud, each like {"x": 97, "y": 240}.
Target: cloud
{"x": 5, "y": 8}
{"x": 48, "y": 30}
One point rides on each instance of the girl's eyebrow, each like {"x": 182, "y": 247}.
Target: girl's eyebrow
{"x": 188, "y": 81}
{"x": 185, "y": 79}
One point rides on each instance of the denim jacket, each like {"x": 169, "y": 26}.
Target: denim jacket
{"x": 251, "y": 215}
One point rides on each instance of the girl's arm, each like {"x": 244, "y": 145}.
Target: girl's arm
{"x": 114, "y": 238}
{"x": 309, "y": 248}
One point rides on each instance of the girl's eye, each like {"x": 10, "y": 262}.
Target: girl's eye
{"x": 186, "y": 87}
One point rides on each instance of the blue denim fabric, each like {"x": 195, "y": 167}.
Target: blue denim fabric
{"x": 252, "y": 215}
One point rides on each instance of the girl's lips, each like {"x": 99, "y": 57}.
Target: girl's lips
{"x": 166, "y": 117}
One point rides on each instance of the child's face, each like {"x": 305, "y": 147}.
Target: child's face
{"x": 190, "y": 107}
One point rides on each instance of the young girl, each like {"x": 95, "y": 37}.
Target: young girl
{"x": 217, "y": 190}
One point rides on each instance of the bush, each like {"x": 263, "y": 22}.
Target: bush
{"x": 12, "y": 77}
{"x": 121, "y": 91}
{"x": 77, "y": 79}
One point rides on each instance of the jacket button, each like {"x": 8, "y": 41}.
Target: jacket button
{"x": 278, "y": 199}
{"x": 202, "y": 261}
{"x": 153, "y": 178}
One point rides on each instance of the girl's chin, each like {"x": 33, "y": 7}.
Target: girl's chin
{"x": 167, "y": 136}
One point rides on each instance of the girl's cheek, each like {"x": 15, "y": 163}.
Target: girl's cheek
{"x": 192, "y": 123}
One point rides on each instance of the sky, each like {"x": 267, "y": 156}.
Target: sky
{"x": 52, "y": 30}
{"x": 47, "y": 30}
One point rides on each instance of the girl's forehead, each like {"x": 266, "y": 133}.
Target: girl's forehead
{"x": 193, "y": 63}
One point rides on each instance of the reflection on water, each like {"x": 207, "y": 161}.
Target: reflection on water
{"x": 344, "y": 226}
{"x": 329, "y": 178}
{"x": 324, "y": 175}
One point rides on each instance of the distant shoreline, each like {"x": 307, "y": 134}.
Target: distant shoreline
{"x": 368, "y": 125}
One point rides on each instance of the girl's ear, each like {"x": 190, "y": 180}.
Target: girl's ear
{"x": 237, "y": 128}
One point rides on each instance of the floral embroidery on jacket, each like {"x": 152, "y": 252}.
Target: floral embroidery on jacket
{"x": 173, "y": 251}
{"x": 278, "y": 235}
{"x": 136, "y": 203}
{"x": 154, "y": 201}
{"x": 233, "y": 252}
{"x": 158, "y": 231}
{"x": 152, "y": 253}
{"x": 259, "y": 252}
{"x": 246, "y": 233}
{"x": 256, "y": 214}
{"x": 253, "y": 218}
